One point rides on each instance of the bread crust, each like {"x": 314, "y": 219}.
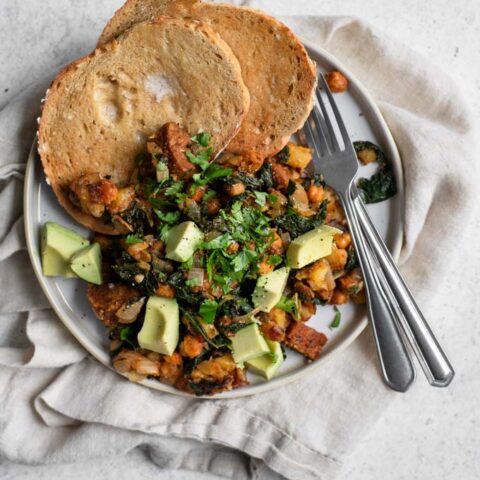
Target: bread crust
{"x": 276, "y": 67}
{"x": 100, "y": 109}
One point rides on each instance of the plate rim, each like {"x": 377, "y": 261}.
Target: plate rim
{"x": 395, "y": 248}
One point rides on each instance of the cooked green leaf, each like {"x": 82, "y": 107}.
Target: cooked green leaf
{"x": 336, "y": 320}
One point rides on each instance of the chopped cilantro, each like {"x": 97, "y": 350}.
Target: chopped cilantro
{"x": 208, "y": 310}
{"x": 272, "y": 198}
{"x": 260, "y": 198}
{"x": 168, "y": 217}
{"x": 287, "y": 305}
{"x": 201, "y": 138}
{"x": 210, "y": 194}
{"x": 243, "y": 259}
{"x": 133, "y": 239}
{"x": 202, "y": 159}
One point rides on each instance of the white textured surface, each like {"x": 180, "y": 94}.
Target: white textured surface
{"x": 427, "y": 433}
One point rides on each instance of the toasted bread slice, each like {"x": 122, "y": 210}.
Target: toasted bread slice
{"x": 100, "y": 109}
{"x": 275, "y": 66}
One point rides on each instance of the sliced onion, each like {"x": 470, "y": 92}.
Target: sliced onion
{"x": 197, "y": 260}
{"x": 197, "y": 274}
{"x": 129, "y": 312}
{"x": 162, "y": 265}
{"x": 300, "y": 201}
{"x": 247, "y": 316}
{"x": 193, "y": 211}
{"x": 286, "y": 238}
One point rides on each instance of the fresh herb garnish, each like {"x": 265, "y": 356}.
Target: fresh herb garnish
{"x": 168, "y": 217}
{"x": 202, "y": 138}
{"x": 287, "y": 305}
{"x": 130, "y": 239}
{"x": 260, "y": 198}
{"x": 208, "y": 310}
{"x": 336, "y": 319}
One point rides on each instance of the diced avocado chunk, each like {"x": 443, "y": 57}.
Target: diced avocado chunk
{"x": 182, "y": 241}
{"x": 58, "y": 244}
{"x": 248, "y": 343}
{"x": 269, "y": 289}
{"x": 160, "y": 328}
{"x": 267, "y": 365}
{"x": 311, "y": 246}
{"x": 87, "y": 263}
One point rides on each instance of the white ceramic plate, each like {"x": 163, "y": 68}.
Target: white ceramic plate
{"x": 68, "y": 297}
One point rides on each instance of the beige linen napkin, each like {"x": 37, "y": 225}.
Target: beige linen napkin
{"x": 58, "y": 405}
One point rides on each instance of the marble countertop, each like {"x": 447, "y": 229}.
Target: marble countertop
{"x": 427, "y": 433}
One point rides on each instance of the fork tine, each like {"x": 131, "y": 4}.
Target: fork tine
{"x": 317, "y": 133}
{"x": 328, "y": 122}
{"x": 310, "y": 137}
{"x": 338, "y": 117}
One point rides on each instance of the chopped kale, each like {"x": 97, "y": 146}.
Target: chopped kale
{"x": 137, "y": 218}
{"x": 352, "y": 259}
{"x": 296, "y": 224}
{"x": 235, "y": 307}
{"x": 283, "y": 155}
{"x": 183, "y": 292}
{"x": 265, "y": 174}
{"x": 130, "y": 273}
{"x": 379, "y": 186}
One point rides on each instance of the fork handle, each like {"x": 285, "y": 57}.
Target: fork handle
{"x": 432, "y": 358}
{"x": 394, "y": 358}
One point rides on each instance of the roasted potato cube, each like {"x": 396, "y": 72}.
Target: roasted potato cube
{"x": 319, "y": 278}
{"x": 299, "y": 157}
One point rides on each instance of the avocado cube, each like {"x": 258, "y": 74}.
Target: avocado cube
{"x": 182, "y": 241}
{"x": 248, "y": 343}
{"x": 269, "y": 289}
{"x": 161, "y": 326}
{"x": 58, "y": 244}
{"x": 87, "y": 263}
{"x": 311, "y": 246}
{"x": 267, "y": 365}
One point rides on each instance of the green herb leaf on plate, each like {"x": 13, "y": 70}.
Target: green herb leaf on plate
{"x": 208, "y": 310}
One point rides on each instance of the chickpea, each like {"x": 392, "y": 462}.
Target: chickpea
{"x": 315, "y": 194}
{"x": 233, "y": 248}
{"x": 164, "y": 290}
{"x": 264, "y": 267}
{"x": 213, "y": 206}
{"x": 276, "y": 248}
{"x": 235, "y": 189}
{"x": 135, "y": 249}
{"x": 336, "y": 81}
{"x": 191, "y": 346}
{"x": 339, "y": 297}
{"x": 199, "y": 193}
{"x": 343, "y": 240}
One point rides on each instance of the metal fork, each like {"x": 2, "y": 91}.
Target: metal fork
{"x": 387, "y": 305}
{"x": 339, "y": 168}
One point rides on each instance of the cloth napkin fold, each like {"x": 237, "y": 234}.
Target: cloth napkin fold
{"x": 59, "y": 405}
